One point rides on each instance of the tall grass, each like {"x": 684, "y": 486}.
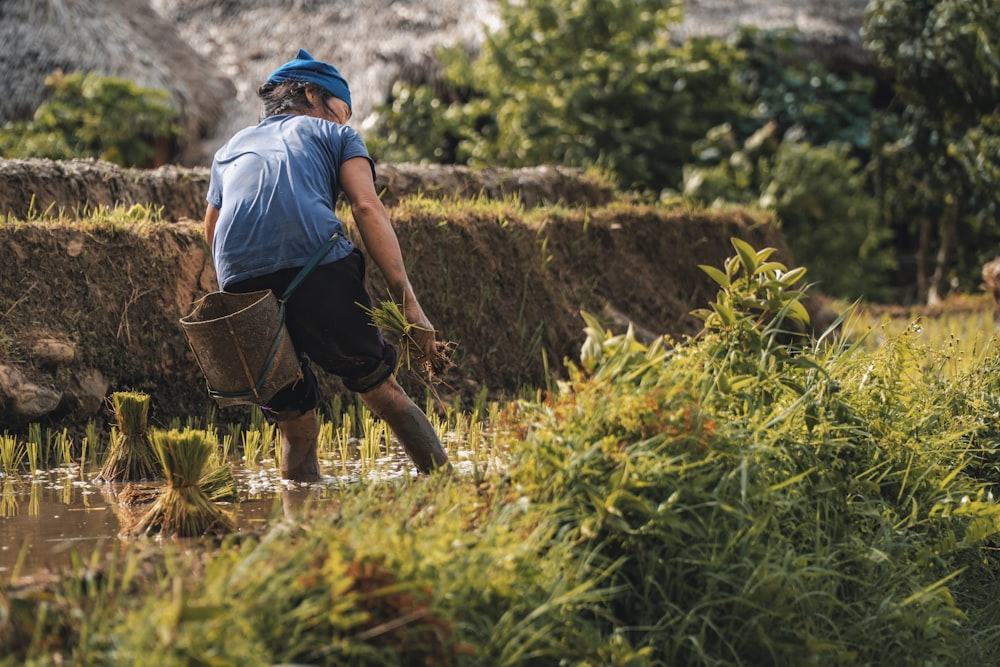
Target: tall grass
{"x": 12, "y": 457}
{"x": 750, "y": 496}
{"x": 13, "y": 454}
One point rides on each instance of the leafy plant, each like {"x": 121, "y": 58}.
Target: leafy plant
{"x": 90, "y": 115}
{"x": 755, "y": 299}
{"x": 579, "y": 84}
{"x": 771, "y": 501}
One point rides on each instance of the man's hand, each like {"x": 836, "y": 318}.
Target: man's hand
{"x": 423, "y": 333}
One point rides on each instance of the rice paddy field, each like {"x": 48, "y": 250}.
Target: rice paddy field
{"x": 741, "y": 497}
{"x": 53, "y": 510}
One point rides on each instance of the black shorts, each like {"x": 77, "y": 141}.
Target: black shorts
{"x": 329, "y": 329}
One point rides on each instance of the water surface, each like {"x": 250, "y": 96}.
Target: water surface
{"x": 53, "y": 516}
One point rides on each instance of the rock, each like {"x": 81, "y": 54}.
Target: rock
{"x": 90, "y": 388}
{"x": 52, "y": 352}
{"x": 24, "y": 400}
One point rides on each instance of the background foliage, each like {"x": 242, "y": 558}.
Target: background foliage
{"x": 576, "y": 83}
{"x": 942, "y": 59}
{"x": 91, "y": 116}
{"x": 891, "y": 171}
{"x": 600, "y": 83}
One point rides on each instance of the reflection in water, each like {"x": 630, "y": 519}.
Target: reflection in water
{"x": 49, "y": 519}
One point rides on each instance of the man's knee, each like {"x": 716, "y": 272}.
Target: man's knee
{"x": 386, "y": 397}
{"x": 278, "y": 416}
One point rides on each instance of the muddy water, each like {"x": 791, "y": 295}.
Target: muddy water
{"x": 49, "y": 519}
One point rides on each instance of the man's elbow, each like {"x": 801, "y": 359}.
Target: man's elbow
{"x": 365, "y": 208}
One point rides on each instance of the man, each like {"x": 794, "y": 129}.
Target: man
{"x": 271, "y": 205}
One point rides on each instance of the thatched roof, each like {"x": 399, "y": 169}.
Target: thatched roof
{"x": 372, "y": 42}
{"x": 123, "y": 38}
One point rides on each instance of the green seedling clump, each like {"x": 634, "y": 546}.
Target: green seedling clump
{"x": 130, "y": 457}
{"x": 184, "y": 508}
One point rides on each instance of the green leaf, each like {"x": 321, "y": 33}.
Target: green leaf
{"x": 748, "y": 256}
{"x": 793, "y": 276}
{"x": 771, "y": 267}
{"x": 798, "y": 312}
{"x": 725, "y": 314}
{"x": 716, "y": 275}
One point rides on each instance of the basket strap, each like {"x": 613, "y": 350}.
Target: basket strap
{"x": 310, "y": 265}
{"x": 279, "y": 336}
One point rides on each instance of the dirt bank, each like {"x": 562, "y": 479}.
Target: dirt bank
{"x": 89, "y": 308}
{"x": 71, "y": 188}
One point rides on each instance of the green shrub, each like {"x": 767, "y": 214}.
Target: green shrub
{"x": 820, "y": 198}
{"x": 799, "y": 94}
{"x": 769, "y": 501}
{"x": 830, "y": 221}
{"x": 91, "y": 116}
{"x": 572, "y": 83}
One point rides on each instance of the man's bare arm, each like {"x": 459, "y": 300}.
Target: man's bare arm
{"x": 382, "y": 244}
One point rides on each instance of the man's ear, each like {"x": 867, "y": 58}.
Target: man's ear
{"x": 313, "y": 97}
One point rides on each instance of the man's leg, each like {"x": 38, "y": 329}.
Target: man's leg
{"x": 390, "y": 403}
{"x": 293, "y": 409}
{"x": 299, "y": 439}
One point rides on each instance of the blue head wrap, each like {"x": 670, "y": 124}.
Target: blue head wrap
{"x": 307, "y": 68}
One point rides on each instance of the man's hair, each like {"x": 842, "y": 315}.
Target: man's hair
{"x": 287, "y": 97}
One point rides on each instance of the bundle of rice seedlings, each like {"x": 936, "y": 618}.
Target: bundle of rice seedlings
{"x": 183, "y": 509}
{"x": 130, "y": 457}
{"x": 218, "y": 482}
{"x": 389, "y": 317}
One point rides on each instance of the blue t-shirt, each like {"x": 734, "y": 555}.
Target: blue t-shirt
{"x": 276, "y": 186}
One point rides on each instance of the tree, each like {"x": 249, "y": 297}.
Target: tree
{"x": 943, "y": 60}
{"x": 578, "y": 83}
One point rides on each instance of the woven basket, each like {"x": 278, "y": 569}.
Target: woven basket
{"x": 242, "y": 346}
